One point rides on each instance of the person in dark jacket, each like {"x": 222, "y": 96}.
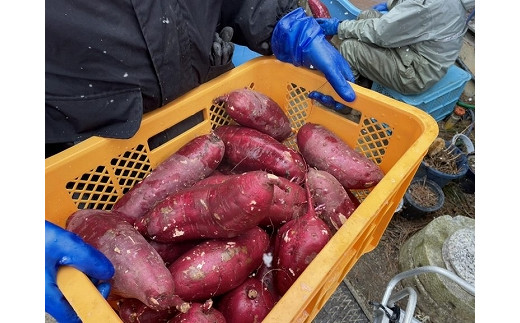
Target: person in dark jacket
{"x": 109, "y": 62}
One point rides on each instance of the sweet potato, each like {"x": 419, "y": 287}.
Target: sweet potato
{"x": 256, "y": 110}
{"x": 211, "y": 211}
{"x": 289, "y": 203}
{"x": 139, "y": 270}
{"x": 200, "y": 313}
{"x": 318, "y": 9}
{"x": 192, "y": 162}
{"x": 324, "y": 150}
{"x": 297, "y": 244}
{"x": 132, "y": 310}
{"x": 216, "y": 266}
{"x": 265, "y": 273}
{"x": 217, "y": 178}
{"x": 226, "y": 168}
{"x": 249, "y": 149}
{"x": 248, "y": 303}
{"x": 169, "y": 251}
{"x": 333, "y": 201}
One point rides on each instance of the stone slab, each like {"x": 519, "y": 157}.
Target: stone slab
{"x": 439, "y": 297}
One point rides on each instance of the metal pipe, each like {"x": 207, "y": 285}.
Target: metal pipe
{"x": 410, "y": 305}
{"x": 421, "y": 270}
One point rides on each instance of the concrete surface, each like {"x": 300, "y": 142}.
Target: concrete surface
{"x": 342, "y": 306}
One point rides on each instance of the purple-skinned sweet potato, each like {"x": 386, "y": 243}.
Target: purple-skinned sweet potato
{"x": 265, "y": 273}
{"x": 212, "y": 211}
{"x": 216, "y": 266}
{"x": 132, "y": 310}
{"x": 139, "y": 270}
{"x": 249, "y": 149}
{"x": 289, "y": 202}
{"x": 330, "y": 198}
{"x": 297, "y": 244}
{"x": 170, "y": 251}
{"x": 256, "y": 110}
{"x": 217, "y": 178}
{"x": 195, "y": 160}
{"x": 319, "y": 9}
{"x": 322, "y": 149}
{"x": 200, "y": 313}
{"x": 248, "y": 303}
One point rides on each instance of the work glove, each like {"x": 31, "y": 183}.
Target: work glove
{"x": 222, "y": 48}
{"x": 328, "y": 25}
{"x": 327, "y": 101}
{"x": 63, "y": 247}
{"x": 381, "y": 7}
{"x": 299, "y": 40}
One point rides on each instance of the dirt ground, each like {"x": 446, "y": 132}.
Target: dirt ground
{"x": 371, "y": 274}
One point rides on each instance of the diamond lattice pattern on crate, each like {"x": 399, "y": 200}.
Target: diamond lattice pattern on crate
{"x": 93, "y": 190}
{"x": 101, "y": 187}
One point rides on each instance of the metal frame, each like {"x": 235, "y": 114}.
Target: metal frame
{"x": 384, "y": 312}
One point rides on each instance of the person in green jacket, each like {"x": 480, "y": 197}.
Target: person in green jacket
{"x": 405, "y": 45}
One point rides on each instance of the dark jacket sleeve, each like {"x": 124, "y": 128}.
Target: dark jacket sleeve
{"x": 253, "y": 21}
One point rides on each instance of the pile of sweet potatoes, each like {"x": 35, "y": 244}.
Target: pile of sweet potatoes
{"x": 220, "y": 230}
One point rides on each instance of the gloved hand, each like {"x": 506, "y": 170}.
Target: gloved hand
{"x": 299, "y": 40}
{"x": 381, "y": 7}
{"x": 63, "y": 247}
{"x": 329, "y": 25}
{"x": 327, "y": 101}
{"x": 222, "y": 48}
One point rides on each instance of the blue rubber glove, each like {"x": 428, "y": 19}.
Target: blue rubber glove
{"x": 328, "y": 25}
{"x": 381, "y": 7}
{"x": 327, "y": 101}
{"x": 63, "y": 247}
{"x": 299, "y": 40}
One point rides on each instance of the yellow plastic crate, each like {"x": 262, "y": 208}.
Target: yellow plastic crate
{"x": 395, "y": 135}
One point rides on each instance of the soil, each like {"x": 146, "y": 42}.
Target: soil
{"x": 370, "y": 275}
{"x": 423, "y": 195}
{"x": 445, "y": 160}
